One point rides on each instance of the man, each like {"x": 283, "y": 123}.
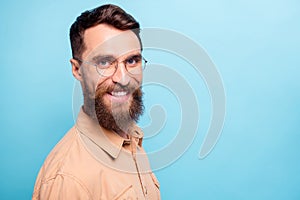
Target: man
{"x": 102, "y": 157}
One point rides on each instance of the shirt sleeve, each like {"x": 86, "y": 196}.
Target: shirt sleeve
{"x": 60, "y": 188}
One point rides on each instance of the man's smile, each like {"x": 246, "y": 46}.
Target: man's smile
{"x": 118, "y": 96}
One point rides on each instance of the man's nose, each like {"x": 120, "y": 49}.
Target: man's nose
{"x": 121, "y": 75}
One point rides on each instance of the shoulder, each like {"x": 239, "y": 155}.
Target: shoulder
{"x": 57, "y": 157}
{"x": 60, "y": 152}
{"x": 69, "y": 156}
{"x": 68, "y": 167}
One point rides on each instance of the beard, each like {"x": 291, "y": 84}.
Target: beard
{"x": 117, "y": 116}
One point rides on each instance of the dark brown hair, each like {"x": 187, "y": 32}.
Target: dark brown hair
{"x": 106, "y": 14}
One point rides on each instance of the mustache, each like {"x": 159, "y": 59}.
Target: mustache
{"x": 102, "y": 89}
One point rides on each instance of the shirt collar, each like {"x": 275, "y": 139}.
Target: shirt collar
{"x": 107, "y": 140}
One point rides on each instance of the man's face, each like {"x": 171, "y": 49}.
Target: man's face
{"x": 115, "y": 99}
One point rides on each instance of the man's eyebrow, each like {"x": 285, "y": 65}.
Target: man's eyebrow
{"x": 111, "y": 57}
{"x": 101, "y": 57}
{"x": 134, "y": 55}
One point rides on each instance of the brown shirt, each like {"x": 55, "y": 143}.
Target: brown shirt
{"x": 93, "y": 163}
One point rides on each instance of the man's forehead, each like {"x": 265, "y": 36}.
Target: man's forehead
{"x": 104, "y": 39}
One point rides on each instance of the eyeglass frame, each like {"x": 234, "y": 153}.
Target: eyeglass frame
{"x": 143, "y": 65}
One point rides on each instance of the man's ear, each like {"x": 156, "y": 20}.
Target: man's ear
{"x": 76, "y": 69}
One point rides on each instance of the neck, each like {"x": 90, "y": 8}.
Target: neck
{"x": 123, "y": 134}
{"x": 90, "y": 112}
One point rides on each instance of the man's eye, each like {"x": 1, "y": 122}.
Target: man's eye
{"x": 131, "y": 61}
{"x": 103, "y": 63}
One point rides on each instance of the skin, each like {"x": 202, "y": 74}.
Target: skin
{"x": 104, "y": 39}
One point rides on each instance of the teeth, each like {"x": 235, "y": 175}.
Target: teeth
{"x": 118, "y": 94}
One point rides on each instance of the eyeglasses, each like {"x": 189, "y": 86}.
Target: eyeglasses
{"x": 107, "y": 65}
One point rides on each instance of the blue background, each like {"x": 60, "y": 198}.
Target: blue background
{"x": 255, "y": 46}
